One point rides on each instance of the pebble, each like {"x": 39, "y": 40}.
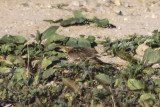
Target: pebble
{"x": 117, "y": 2}
{"x": 156, "y": 66}
{"x": 75, "y": 3}
{"x": 154, "y": 16}
{"x": 125, "y": 19}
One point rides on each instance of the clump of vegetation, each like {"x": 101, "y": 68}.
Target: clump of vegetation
{"x": 79, "y": 19}
{"x": 39, "y": 74}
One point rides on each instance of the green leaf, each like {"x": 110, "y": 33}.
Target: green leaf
{"x": 55, "y": 38}
{"x": 82, "y": 42}
{"x": 72, "y": 42}
{"x": 134, "y": 84}
{"x": 49, "y": 32}
{"x": 45, "y": 63}
{"x": 147, "y": 100}
{"x": 50, "y": 47}
{"x": 101, "y": 22}
{"x": 78, "y": 14}
{"x": 20, "y": 74}
{"x": 48, "y": 73}
{"x": 103, "y": 78}
{"x": 19, "y": 49}
{"x": 17, "y": 60}
{"x": 153, "y": 56}
{"x": 13, "y": 39}
{"x": 157, "y": 82}
{"x": 73, "y": 21}
{"x": 38, "y": 36}
{"x": 91, "y": 39}
{"x": 53, "y": 21}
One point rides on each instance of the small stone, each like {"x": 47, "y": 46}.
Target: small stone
{"x": 156, "y": 66}
{"x": 117, "y": 2}
{"x": 119, "y": 28}
{"x": 76, "y": 3}
{"x": 141, "y": 48}
{"x": 154, "y": 16}
{"x": 117, "y": 11}
{"x": 125, "y": 19}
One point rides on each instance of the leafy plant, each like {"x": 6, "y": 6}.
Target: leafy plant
{"x": 79, "y": 19}
{"x": 38, "y": 73}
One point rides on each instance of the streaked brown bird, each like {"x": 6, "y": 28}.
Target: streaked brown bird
{"x": 75, "y": 54}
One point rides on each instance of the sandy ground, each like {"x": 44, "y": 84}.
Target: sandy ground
{"x": 24, "y": 17}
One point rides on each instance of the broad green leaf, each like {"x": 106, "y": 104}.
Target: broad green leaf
{"x": 20, "y": 73}
{"x": 50, "y": 53}
{"x": 73, "y": 21}
{"x": 157, "y": 82}
{"x": 45, "y": 63}
{"x": 157, "y": 90}
{"x": 13, "y": 39}
{"x": 103, "y": 78}
{"x": 50, "y": 47}
{"x": 19, "y": 49}
{"x": 91, "y": 39}
{"x": 72, "y": 42}
{"x": 55, "y": 38}
{"x": 70, "y": 83}
{"x": 78, "y": 14}
{"x": 17, "y": 60}
{"x": 146, "y": 54}
{"x": 101, "y": 22}
{"x": 6, "y": 49}
{"x": 147, "y": 100}
{"x": 134, "y": 84}
{"x": 82, "y": 42}
{"x": 49, "y": 32}
{"x": 153, "y": 56}
{"x": 48, "y": 73}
